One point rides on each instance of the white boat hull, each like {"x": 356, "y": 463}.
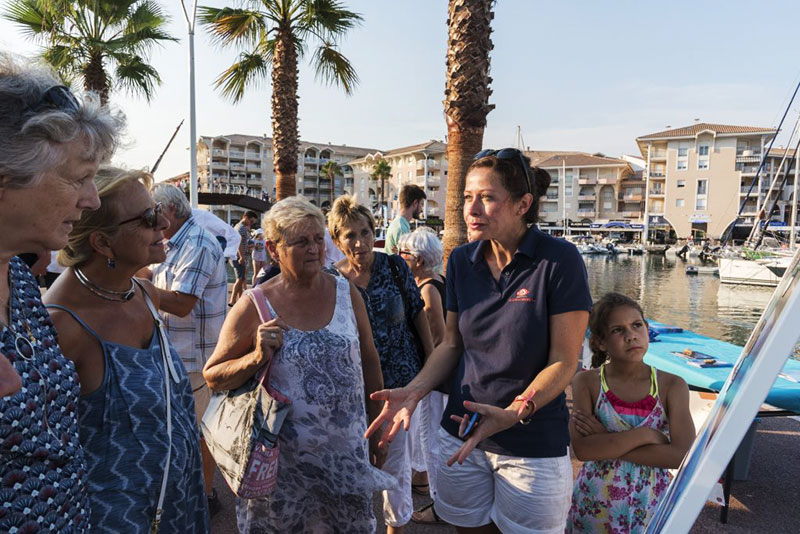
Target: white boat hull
{"x": 763, "y": 272}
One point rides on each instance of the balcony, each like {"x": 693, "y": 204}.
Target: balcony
{"x": 256, "y": 168}
{"x": 657, "y": 174}
{"x": 348, "y": 174}
{"x": 656, "y": 192}
{"x": 550, "y": 198}
{"x": 432, "y": 164}
{"x": 586, "y": 180}
{"x": 658, "y": 154}
{"x": 310, "y": 161}
{"x": 587, "y": 197}
{"x": 632, "y": 197}
{"x": 235, "y": 154}
{"x": 586, "y": 212}
{"x": 237, "y": 167}
{"x": 603, "y": 180}
{"x": 434, "y": 181}
{"x": 220, "y": 153}
{"x": 632, "y": 214}
{"x": 220, "y": 164}
{"x": 254, "y": 155}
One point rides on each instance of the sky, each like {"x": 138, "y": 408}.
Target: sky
{"x": 572, "y": 75}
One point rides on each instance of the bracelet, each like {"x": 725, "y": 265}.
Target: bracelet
{"x": 527, "y": 401}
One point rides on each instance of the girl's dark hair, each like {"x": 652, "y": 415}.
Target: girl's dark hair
{"x": 598, "y": 322}
{"x": 512, "y": 177}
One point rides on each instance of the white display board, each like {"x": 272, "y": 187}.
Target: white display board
{"x": 762, "y": 358}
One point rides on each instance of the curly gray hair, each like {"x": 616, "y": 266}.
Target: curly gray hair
{"x": 34, "y": 136}
{"x": 423, "y": 243}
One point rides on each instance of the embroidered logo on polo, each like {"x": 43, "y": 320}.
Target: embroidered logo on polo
{"x": 522, "y": 295}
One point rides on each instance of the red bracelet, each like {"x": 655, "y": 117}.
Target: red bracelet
{"x": 527, "y": 400}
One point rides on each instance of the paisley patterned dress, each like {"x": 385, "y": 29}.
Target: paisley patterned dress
{"x": 43, "y": 482}
{"x": 615, "y": 496}
{"x": 325, "y": 481}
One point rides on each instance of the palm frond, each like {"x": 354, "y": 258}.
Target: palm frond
{"x": 250, "y": 70}
{"x": 33, "y": 20}
{"x": 230, "y": 26}
{"x": 136, "y": 76}
{"x": 145, "y": 25}
{"x": 112, "y": 12}
{"x": 333, "y": 68}
{"x": 329, "y": 19}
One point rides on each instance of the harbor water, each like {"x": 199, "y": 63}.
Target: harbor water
{"x": 667, "y": 294}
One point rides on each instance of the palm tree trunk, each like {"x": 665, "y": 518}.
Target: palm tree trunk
{"x": 284, "y": 115}
{"x": 462, "y": 145}
{"x": 466, "y": 103}
{"x": 94, "y": 77}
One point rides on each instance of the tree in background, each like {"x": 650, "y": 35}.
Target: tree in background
{"x": 275, "y": 34}
{"x": 330, "y": 170}
{"x": 382, "y": 171}
{"x": 466, "y": 103}
{"x": 104, "y": 44}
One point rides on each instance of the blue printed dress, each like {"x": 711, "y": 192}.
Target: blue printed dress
{"x": 616, "y": 496}
{"x": 124, "y": 434}
{"x": 42, "y": 466}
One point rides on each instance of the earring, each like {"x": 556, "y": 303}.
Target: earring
{"x": 111, "y": 263}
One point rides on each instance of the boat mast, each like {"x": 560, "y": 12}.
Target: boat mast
{"x": 646, "y": 229}
{"x": 793, "y": 219}
{"x": 564, "y": 196}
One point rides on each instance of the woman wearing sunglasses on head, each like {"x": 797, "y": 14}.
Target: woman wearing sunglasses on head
{"x": 517, "y": 307}
{"x": 51, "y": 146}
{"x": 137, "y": 418}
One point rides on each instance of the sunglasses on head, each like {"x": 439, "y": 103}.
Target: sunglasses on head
{"x": 58, "y": 97}
{"x": 149, "y": 218}
{"x": 508, "y": 153}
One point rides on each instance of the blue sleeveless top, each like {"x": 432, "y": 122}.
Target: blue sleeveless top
{"x": 42, "y": 465}
{"x": 124, "y": 435}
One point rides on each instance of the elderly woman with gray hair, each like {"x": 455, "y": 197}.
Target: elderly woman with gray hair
{"x": 325, "y": 362}
{"x": 52, "y": 144}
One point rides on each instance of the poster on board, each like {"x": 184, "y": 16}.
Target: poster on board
{"x": 772, "y": 341}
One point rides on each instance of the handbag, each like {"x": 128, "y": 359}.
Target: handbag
{"x": 241, "y": 427}
{"x": 169, "y": 371}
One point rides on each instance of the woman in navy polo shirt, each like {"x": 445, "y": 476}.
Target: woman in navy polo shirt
{"x": 517, "y": 303}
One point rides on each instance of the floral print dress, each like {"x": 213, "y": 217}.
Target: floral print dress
{"x": 615, "y": 496}
{"x": 325, "y": 481}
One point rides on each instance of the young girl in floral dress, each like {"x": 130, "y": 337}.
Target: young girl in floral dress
{"x": 629, "y": 425}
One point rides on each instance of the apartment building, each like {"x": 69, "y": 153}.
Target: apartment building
{"x": 698, "y": 176}
{"x": 588, "y": 189}
{"x": 243, "y": 164}
{"x": 424, "y": 164}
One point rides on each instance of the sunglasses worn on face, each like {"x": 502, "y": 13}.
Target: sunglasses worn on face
{"x": 149, "y": 218}
{"x": 508, "y": 153}
{"x": 58, "y": 97}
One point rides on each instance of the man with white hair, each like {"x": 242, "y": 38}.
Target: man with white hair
{"x": 193, "y": 294}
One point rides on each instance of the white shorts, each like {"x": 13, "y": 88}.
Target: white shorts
{"x": 397, "y": 503}
{"x": 519, "y": 495}
{"x": 426, "y": 446}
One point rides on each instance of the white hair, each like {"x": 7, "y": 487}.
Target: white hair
{"x": 33, "y": 140}
{"x": 171, "y": 196}
{"x": 424, "y": 243}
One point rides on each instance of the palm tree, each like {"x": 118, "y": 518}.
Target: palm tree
{"x": 275, "y": 33}
{"x": 103, "y": 43}
{"x": 381, "y": 171}
{"x": 331, "y": 170}
{"x": 466, "y": 103}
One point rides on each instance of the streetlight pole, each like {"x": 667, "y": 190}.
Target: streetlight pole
{"x": 190, "y": 24}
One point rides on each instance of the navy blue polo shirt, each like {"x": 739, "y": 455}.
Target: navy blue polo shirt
{"x": 505, "y": 329}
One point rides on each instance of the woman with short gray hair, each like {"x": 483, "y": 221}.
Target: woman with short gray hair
{"x": 52, "y": 145}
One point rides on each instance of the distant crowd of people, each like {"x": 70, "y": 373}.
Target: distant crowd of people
{"x": 401, "y": 378}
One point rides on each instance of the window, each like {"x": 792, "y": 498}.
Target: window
{"x": 683, "y": 152}
{"x": 681, "y": 183}
{"x": 682, "y": 165}
{"x": 701, "y": 204}
{"x": 679, "y": 203}
{"x": 702, "y": 157}
{"x": 702, "y": 187}
{"x": 683, "y": 156}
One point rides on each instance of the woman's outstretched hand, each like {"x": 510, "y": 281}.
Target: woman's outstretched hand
{"x": 10, "y": 381}
{"x": 492, "y": 420}
{"x": 398, "y": 405}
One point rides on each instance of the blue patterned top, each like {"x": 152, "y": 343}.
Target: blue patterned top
{"x": 389, "y": 316}
{"x": 123, "y": 432}
{"x": 42, "y": 466}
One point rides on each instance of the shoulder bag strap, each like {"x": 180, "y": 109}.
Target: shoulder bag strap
{"x": 256, "y": 295}
{"x": 169, "y": 370}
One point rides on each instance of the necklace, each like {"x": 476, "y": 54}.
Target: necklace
{"x": 108, "y": 294}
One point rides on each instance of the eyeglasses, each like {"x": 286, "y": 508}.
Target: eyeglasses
{"x": 406, "y": 253}
{"x": 149, "y": 218}
{"x": 508, "y": 153}
{"x": 58, "y": 97}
